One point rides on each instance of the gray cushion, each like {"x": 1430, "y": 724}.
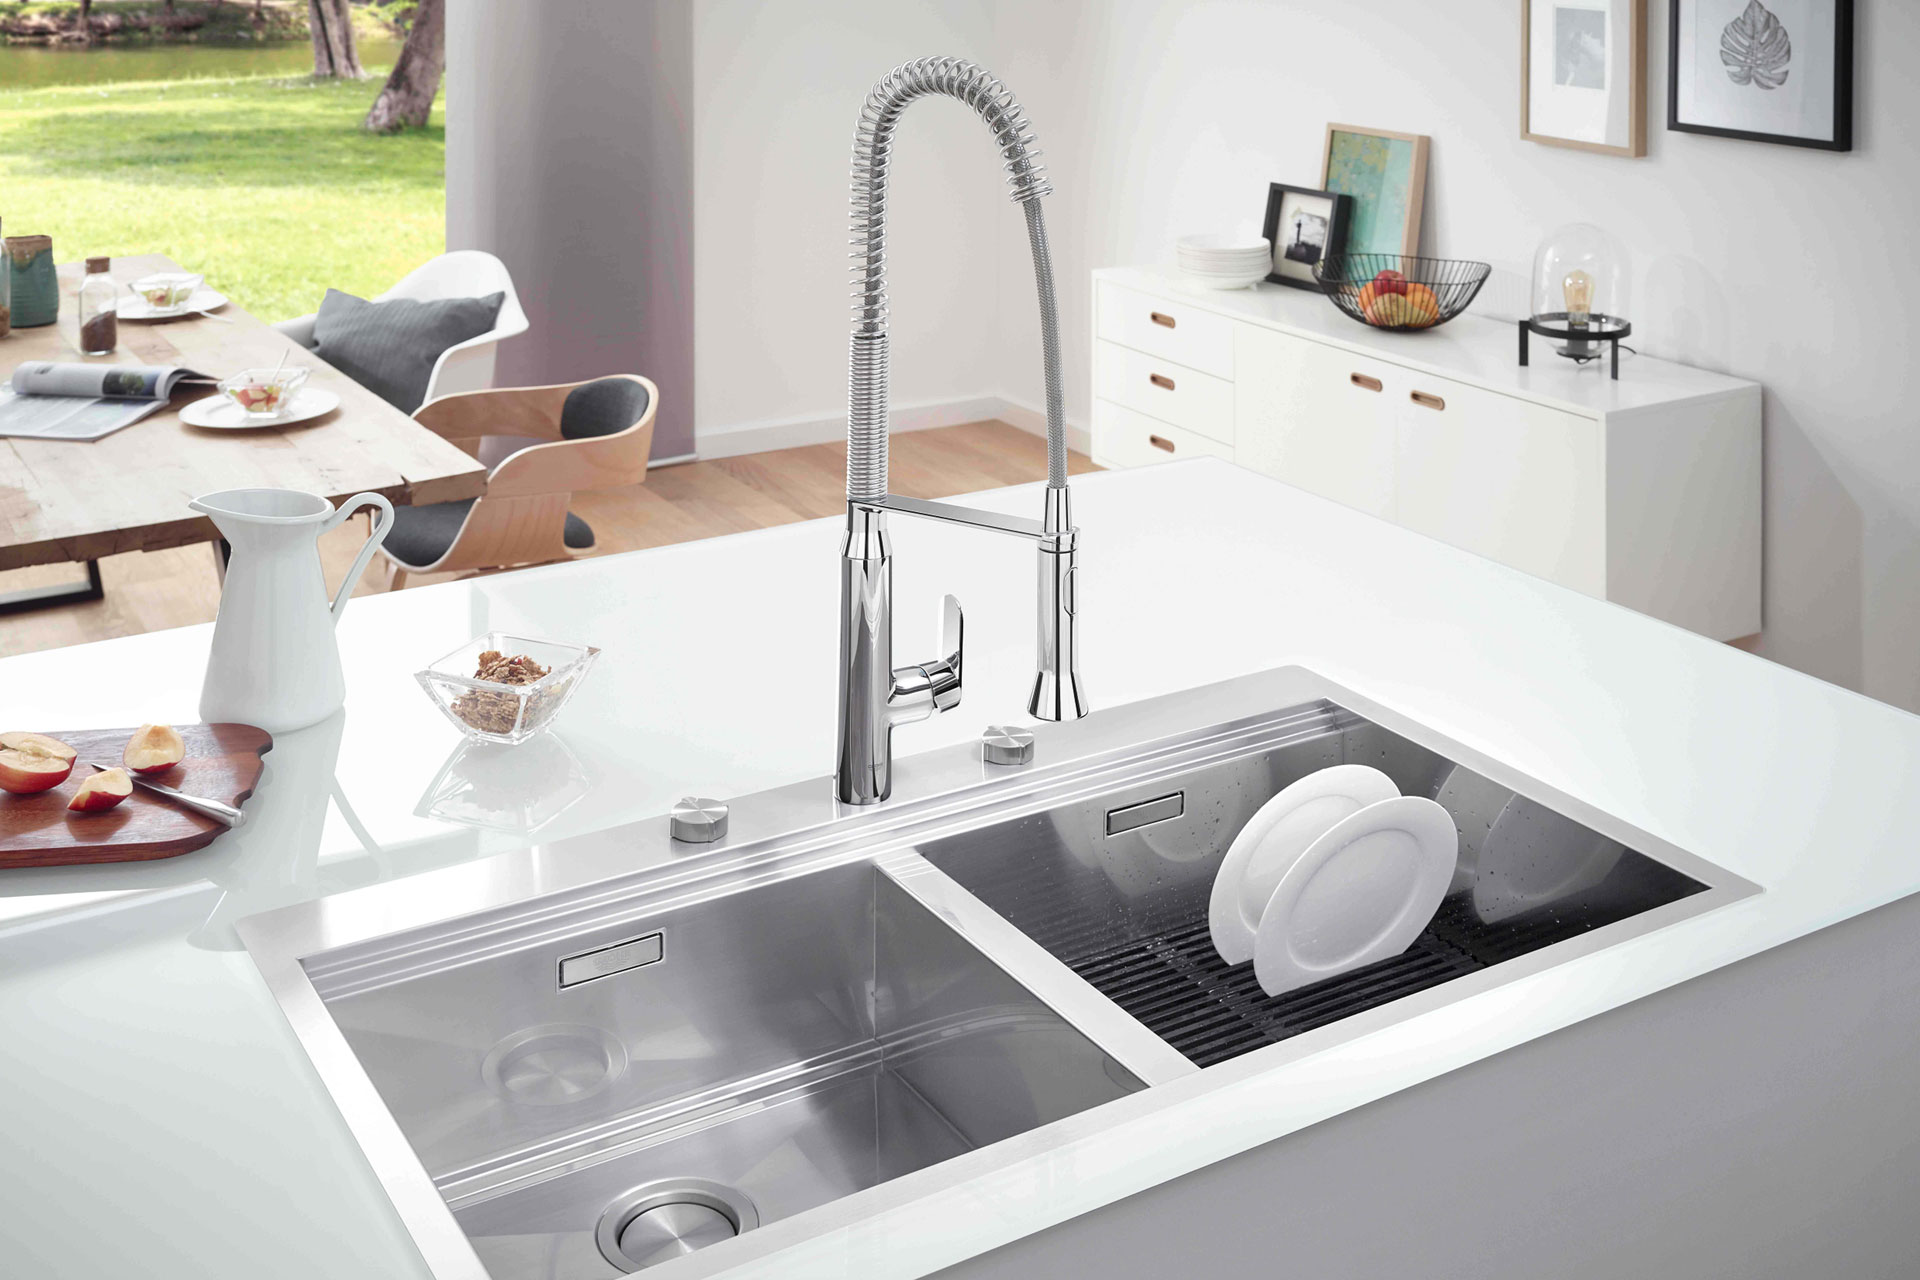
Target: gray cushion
{"x": 421, "y": 535}
{"x": 390, "y": 347}
{"x": 602, "y": 408}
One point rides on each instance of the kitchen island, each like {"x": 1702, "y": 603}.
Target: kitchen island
{"x": 162, "y": 1120}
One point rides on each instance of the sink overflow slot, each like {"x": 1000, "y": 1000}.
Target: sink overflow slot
{"x": 607, "y": 961}
{"x": 1134, "y": 816}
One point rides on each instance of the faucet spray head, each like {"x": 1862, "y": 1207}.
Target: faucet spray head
{"x": 1056, "y": 687}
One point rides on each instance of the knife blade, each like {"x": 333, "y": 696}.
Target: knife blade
{"x": 218, "y": 810}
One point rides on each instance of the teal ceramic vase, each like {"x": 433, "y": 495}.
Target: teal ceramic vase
{"x": 36, "y": 291}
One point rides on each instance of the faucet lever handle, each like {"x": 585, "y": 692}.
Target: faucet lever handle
{"x": 945, "y": 671}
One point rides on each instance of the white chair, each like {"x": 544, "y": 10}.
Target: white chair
{"x": 464, "y": 273}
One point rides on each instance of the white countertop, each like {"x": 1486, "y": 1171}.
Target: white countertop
{"x": 1474, "y": 348}
{"x": 162, "y": 1121}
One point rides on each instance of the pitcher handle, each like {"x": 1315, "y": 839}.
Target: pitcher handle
{"x": 381, "y": 524}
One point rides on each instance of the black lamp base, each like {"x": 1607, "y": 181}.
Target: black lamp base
{"x": 1583, "y": 341}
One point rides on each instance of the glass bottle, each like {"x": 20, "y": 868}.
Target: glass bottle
{"x": 99, "y": 322}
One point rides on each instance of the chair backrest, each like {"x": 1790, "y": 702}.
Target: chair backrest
{"x": 464, "y": 273}
{"x": 604, "y": 407}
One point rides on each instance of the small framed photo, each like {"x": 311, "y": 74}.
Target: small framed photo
{"x": 1768, "y": 70}
{"x": 1583, "y": 74}
{"x": 1304, "y": 225}
{"x": 1386, "y": 174}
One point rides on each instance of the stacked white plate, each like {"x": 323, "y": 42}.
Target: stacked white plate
{"x": 1224, "y": 262}
{"x": 1337, "y": 871}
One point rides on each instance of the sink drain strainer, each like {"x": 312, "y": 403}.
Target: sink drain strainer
{"x": 551, "y": 1066}
{"x": 661, "y": 1221}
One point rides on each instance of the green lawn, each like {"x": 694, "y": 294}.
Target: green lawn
{"x": 266, "y": 185}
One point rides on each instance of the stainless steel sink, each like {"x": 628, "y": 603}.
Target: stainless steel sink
{"x": 615, "y": 1053}
{"x": 775, "y": 1047}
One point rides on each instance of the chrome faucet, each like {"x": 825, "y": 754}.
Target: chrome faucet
{"x": 875, "y": 695}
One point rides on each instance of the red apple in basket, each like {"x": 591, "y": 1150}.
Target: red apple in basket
{"x": 33, "y": 762}
{"x": 152, "y": 748}
{"x": 102, "y": 791}
{"x": 1389, "y": 281}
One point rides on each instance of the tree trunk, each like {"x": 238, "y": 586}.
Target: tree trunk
{"x": 408, "y": 96}
{"x": 86, "y": 21}
{"x": 334, "y": 55}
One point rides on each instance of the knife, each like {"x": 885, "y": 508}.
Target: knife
{"x": 215, "y": 809}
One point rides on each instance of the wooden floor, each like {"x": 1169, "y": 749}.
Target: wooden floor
{"x": 149, "y": 591}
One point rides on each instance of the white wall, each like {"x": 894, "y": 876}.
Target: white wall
{"x": 1788, "y": 266}
{"x": 777, "y": 90}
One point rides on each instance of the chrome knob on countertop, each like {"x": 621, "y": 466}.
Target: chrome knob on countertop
{"x": 1006, "y": 744}
{"x": 697, "y": 820}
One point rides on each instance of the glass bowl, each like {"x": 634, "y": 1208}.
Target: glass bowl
{"x": 495, "y": 711}
{"x": 167, "y": 290}
{"x": 264, "y": 394}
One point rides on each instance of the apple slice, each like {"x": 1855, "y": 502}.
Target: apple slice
{"x": 102, "y": 791}
{"x": 33, "y": 762}
{"x": 153, "y": 748}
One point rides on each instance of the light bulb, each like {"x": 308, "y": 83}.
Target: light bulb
{"x": 1578, "y": 287}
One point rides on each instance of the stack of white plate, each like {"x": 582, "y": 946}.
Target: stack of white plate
{"x": 1224, "y": 262}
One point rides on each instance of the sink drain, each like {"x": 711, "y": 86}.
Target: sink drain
{"x": 552, "y": 1066}
{"x": 661, "y": 1221}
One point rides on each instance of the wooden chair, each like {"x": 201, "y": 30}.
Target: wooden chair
{"x": 592, "y": 435}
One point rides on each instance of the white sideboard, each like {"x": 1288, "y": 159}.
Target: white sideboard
{"x": 1644, "y": 491}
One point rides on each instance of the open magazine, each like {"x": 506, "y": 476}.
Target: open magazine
{"x": 51, "y": 401}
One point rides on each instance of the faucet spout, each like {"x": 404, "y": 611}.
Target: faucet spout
{"x": 873, "y": 695}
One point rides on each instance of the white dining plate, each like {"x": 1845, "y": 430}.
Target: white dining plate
{"x": 1360, "y": 893}
{"x": 1273, "y": 839}
{"x": 219, "y": 413}
{"x": 131, "y": 306}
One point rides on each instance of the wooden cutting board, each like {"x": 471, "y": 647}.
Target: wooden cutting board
{"x": 222, "y": 763}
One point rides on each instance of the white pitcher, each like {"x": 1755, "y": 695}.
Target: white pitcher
{"x": 275, "y": 662}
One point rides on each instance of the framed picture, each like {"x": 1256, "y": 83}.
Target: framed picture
{"x": 1304, "y": 225}
{"x": 1386, "y": 174}
{"x": 1769, "y": 70}
{"x": 1583, "y": 74}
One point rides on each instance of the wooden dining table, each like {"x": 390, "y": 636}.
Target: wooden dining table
{"x": 77, "y": 501}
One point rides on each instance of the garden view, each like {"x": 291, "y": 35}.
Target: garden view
{"x": 199, "y": 130}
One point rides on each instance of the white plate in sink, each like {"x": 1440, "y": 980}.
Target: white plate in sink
{"x": 1273, "y": 839}
{"x": 219, "y": 413}
{"x": 1361, "y": 893}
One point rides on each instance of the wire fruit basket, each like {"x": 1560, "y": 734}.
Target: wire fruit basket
{"x": 1392, "y": 291}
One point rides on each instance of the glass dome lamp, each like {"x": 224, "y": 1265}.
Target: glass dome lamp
{"x": 1579, "y": 291}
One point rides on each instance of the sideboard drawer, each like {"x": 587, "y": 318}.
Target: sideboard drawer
{"x": 1165, "y": 327}
{"x": 1123, "y": 437}
{"x": 1164, "y": 390}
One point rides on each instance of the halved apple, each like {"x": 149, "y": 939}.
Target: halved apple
{"x": 33, "y": 762}
{"x": 152, "y": 748}
{"x": 102, "y": 791}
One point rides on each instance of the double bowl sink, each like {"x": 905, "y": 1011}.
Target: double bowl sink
{"x": 617, "y": 1053}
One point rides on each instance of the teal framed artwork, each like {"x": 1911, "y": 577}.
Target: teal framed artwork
{"x": 1386, "y": 174}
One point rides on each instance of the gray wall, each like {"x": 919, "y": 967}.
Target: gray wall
{"x": 568, "y": 156}
{"x": 1762, "y": 1121}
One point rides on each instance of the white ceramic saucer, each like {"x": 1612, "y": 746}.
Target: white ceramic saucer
{"x": 1362, "y": 892}
{"x": 1277, "y": 834}
{"x": 131, "y": 306}
{"x": 221, "y": 414}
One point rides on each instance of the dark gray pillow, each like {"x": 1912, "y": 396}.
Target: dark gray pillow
{"x": 390, "y": 347}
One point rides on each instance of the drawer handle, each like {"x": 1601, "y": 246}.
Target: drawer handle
{"x": 1365, "y": 383}
{"x": 1160, "y": 380}
{"x": 1161, "y": 442}
{"x": 1427, "y": 400}
{"x": 1161, "y": 318}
